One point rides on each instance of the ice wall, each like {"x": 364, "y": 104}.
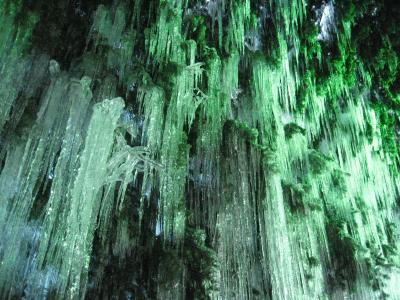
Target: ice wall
{"x": 229, "y": 171}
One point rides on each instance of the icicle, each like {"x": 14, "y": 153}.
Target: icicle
{"x": 163, "y": 39}
{"x": 39, "y": 148}
{"x": 64, "y": 171}
{"x": 13, "y": 66}
{"x": 125, "y": 162}
{"x": 73, "y": 253}
{"x": 239, "y": 19}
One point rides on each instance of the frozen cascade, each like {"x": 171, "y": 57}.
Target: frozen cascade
{"x": 72, "y": 255}
{"x": 206, "y": 149}
{"x": 30, "y": 158}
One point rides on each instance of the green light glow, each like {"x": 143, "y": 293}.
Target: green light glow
{"x": 249, "y": 149}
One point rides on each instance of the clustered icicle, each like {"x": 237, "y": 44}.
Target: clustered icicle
{"x": 188, "y": 150}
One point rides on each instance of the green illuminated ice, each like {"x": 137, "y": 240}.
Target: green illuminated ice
{"x": 199, "y": 149}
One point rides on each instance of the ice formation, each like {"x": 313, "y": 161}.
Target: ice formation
{"x": 194, "y": 150}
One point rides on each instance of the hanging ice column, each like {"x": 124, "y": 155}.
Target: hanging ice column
{"x": 29, "y": 162}
{"x": 63, "y": 177}
{"x": 13, "y": 67}
{"x": 269, "y": 91}
{"x": 73, "y": 253}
